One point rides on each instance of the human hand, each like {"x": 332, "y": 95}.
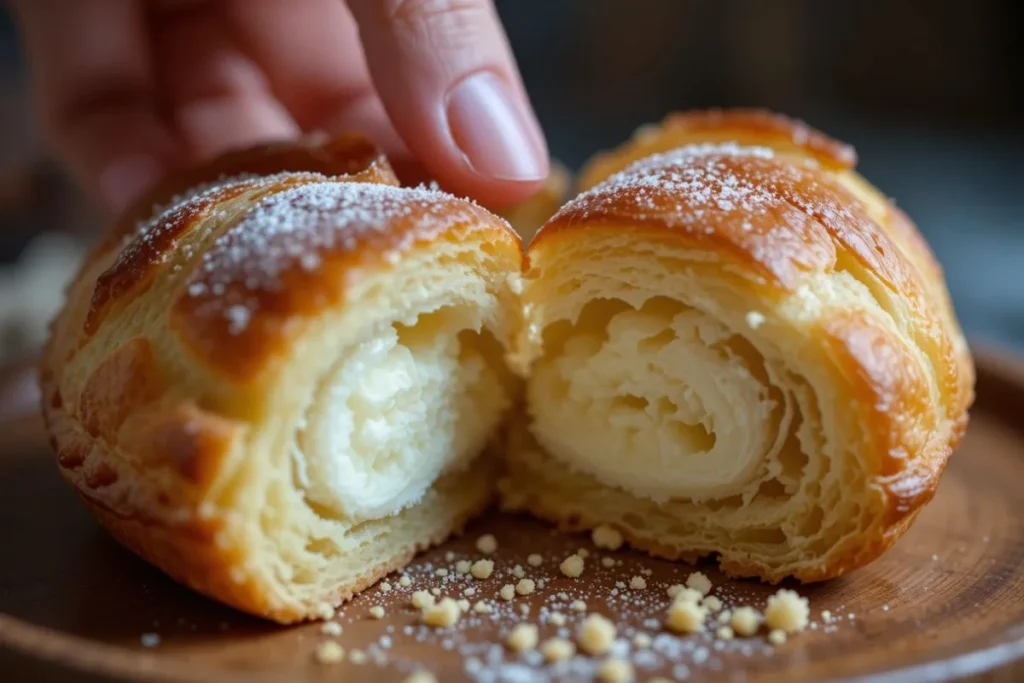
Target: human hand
{"x": 130, "y": 89}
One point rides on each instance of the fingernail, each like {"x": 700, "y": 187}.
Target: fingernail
{"x": 494, "y": 130}
{"x": 126, "y": 179}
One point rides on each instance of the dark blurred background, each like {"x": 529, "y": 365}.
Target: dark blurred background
{"x": 930, "y": 93}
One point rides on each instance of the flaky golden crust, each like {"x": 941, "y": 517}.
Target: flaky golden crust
{"x": 781, "y": 208}
{"x": 167, "y": 369}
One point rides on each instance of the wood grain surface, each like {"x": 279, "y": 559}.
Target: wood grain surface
{"x": 947, "y": 603}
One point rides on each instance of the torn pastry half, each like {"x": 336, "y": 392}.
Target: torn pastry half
{"x": 736, "y": 346}
{"x": 279, "y": 383}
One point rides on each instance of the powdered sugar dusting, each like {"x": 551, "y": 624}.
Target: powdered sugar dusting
{"x": 295, "y": 228}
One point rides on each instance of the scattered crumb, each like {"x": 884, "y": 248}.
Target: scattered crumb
{"x": 826, "y": 615}
{"x": 481, "y": 607}
{"x": 518, "y": 571}
{"x": 150, "y": 639}
{"x": 572, "y": 566}
{"x": 607, "y": 561}
{"x": 482, "y": 569}
{"x": 421, "y": 599}
{"x": 377, "y": 612}
{"x": 525, "y": 586}
{"x": 329, "y": 652}
{"x": 777, "y": 637}
{"x": 687, "y": 595}
{"x": 331, "y": 628}
{"x": 557, "y": 649}
{"x": 642, "y": 641}
{"x": 421, "y": 677}
{"x": 404, "y": 581}
{"x": 724, "y": 633}
{"x": 524, "y": 609}
{"x": 463, "y": 604}
{"x": 436, "y": 592}
{"x": 487, "y": 544}
{"x": 583, "y": 552}
{"x": 745, "y": 621}
{"x": 638, "y": 583}
{"x": 606, "y": 537}
{"x": 357, "y": 657}
{"x": 449, "y": 556}
{"x": 615, "y": 671}
{"x": 444, "y": 613}
{"x": 711, "y": 603}
{"x": 385, "y": 587}
{"x": 578, "y": 606}
{"x": 788, "y": 611}
{"x": 698, "y": 582}
{"x": 557, "y": 619}
{"x": 507, "y": 592}
{"x": 685, "y": 617}
{"x": 463, "y": 566}
{"x": 596, "y": 635}
{"x": 523, "y": 638}
{"x": 725, "y": 616}
{"x": 469, "y": 592}
{"x": 534, "y": 560}
{"x": 325, "y": 611}
{"x": 755, "y": 319}
{"x": 441, "y": 572}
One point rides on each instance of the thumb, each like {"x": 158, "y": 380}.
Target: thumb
{"x": 446, "y": 76}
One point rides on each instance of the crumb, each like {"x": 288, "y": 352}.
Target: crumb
{"x": 463, "y": 566}
{"x": 524, "y": 610}
{"x": 788, "y": 611}
{"x": 357, "y": 657}
{"x": 149, "y": 639}
{"x": 463, "y": 604}
{"x": 777, "y": 637}
{"x": 436, "y": 592}
{"x": 698, "y": 582}
{"x": 638, "y": 583}
{"x": 441, "y": 572}
{"x": 487, "y": 544}
{"x": 329, "y": 652}
{"x": 606, "y": 537}
{"x": 385, "y": 587}
{"x": 826, "y": 615}
{"x": 444, "y": 613}
{"x": 534, "y": 560}
{"x": 523, "y": 638}
{"x": 518, "y": 571}
{"x": 331, "y": 628}
{"x": 525, "y": 586}
{"x": 724, "y": 633}
{"x": 421, "y": 677}
{"x": 642, "y": 641}
{"x": 556, "y": 619}
{"x": 557, "y": 649}
{"x": 482, "y": 569}
{"x": 685, "y": 617}
{"x": 572, "y": 566}
{"x": 325, "y": 611}
{"x": 481, "y": 607}
{"x": 507, "y": 592}
{"x": 583, "y": 552}
{"x": 596, "y": 635}
{"x": 745, "y": 621}
{"x": 687, "y": 595}
{"x": 421, "y": 599}
{"x": 725, "y": 616}
{"x": 615, "y": 671}
{"x": 711, "y": 603}
{"x": 449, "y": 556}
{"x": 404, "y": 581}
{"x": 469, "y": 592}
{"x": 755, "y": 319}
{"x": 607, "y": 561}
{"x": 578, "y": 606}
{"x": 377, "y": 612}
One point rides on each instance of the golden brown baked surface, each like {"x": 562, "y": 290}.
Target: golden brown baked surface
{"x": 196, "y": 380}
{"x": 744, "y": 243}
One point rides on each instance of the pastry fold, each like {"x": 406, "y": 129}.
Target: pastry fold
{"x": 736, "y": 346}
{"x": 277, "y": 386}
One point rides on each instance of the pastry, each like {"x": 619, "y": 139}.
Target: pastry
{"x": 279, "y": 385}
{"x": 736, "y": 346}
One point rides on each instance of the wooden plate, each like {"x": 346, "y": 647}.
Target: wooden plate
{"x": 946, "y": 603}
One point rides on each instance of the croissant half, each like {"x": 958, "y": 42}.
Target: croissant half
{"x": 736, "y": 346}
{"x": 278, "y": 388}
